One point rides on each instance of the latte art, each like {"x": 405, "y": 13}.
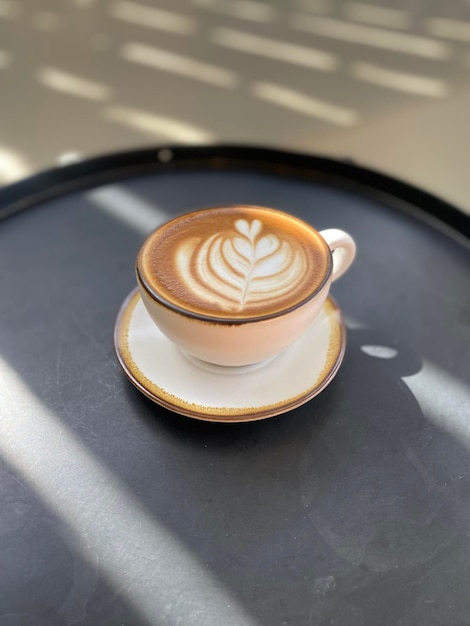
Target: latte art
{"x": 234, "y": 263}
{"x": 241, "y": 267}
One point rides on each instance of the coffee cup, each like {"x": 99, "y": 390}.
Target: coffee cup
{"x": 237, "y": 285}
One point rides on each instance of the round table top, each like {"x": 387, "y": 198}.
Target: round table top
{"x": 351, "y": 509}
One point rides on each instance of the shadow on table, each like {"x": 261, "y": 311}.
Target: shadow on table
{"x": 44, "y": 580}
{"x": 335, "y": 508}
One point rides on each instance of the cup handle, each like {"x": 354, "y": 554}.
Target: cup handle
{"x": 343, "y": 248}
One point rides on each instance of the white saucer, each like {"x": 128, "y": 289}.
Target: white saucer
{"x": 219, "y": 394}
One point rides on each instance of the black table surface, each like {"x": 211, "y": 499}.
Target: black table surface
{"x": 352, "y": 510}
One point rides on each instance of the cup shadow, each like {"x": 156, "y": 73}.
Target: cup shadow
{"x": 341, "y": 486}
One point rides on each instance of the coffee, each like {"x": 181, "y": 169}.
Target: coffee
{"x": 237, "y": 262}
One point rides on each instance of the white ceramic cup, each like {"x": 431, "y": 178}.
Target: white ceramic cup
{"x": 240, "y": 340}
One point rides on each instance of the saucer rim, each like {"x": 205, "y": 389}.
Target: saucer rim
{"x": 224, "y": 414}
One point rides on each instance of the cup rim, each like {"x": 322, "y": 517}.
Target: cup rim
{"x": 227, "y": 320}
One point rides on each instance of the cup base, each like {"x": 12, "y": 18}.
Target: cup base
{"x": 227, "y": 370}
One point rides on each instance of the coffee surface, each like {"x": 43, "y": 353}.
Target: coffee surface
{"x": 234, "y": 262}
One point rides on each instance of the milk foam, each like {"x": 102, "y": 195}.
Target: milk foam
{"x": 241, "y": 267}
{"x": 235, "y": 262}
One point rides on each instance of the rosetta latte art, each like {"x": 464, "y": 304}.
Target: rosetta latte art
{"x": 240, "y": 268}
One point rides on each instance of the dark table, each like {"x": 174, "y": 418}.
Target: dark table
{"x": 353, "y": 509}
